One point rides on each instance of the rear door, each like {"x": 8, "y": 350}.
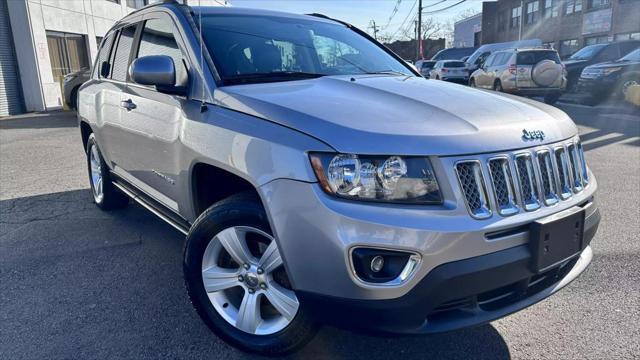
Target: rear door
{"x": 538, "y": 69}
{"x": 482, "y": 77}
{"x": 153, "y": 125}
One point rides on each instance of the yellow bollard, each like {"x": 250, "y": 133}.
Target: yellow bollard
{"x": 65, "y": 106}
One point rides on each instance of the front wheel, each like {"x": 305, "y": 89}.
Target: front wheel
{"x": 237, "y": 283}
{"x": 105, "y": 195}
{"x": 472, "y": 83}
{"x": 497, "y": 86}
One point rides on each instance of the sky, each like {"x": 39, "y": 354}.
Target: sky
{"x": 361, "y": 12}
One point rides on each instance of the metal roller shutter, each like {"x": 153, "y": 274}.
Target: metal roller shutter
{"x": 10, "y": 93}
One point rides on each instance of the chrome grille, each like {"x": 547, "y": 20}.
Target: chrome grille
{"x": 525, "y": 180}
{"x": 503, "y": 186}
{"x": 473, "y": 186}
{"x": 548, "y": 181}
{"x": 564, "y": 173}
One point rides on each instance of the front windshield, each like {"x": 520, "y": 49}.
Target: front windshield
{"x": 587, "y": 53}
{"x": 632, "y": 56}
{"x": 250, "y": 48}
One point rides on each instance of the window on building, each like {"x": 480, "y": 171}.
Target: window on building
{"x": 120, "y": 60}
{"x": 568, "y": 47}
{"x": 68, "y": 53}
{"x": 594, "y": 4}
{"x": 502, "y": 20}
{"x": 551, "y": 8}
{"x": 573, "y": 6}
{"x": 516, "y": 13}
{"x": 628, "y": 36}
{"x": 533, "y": 12}
{"x": 158, "y": 39}
{"x": 596, "y": 40}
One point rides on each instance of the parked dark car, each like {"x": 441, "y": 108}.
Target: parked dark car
{"x": 71, "y": 84}
{"x": 594, "y": 54}
{"x": 610, "y": 78}
{"x": 453, "y": 53}
{"x": 425, "y": 66}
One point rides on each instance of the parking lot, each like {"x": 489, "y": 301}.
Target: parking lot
{"x": 76, "y": 282}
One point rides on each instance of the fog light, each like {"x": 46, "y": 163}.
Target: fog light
{"x": 377, "y": 263}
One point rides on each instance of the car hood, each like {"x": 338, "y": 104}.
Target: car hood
{"x": 399, "y": 115}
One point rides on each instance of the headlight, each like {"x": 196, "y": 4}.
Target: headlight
{"x": 393, "y": 179}
{"x": 608, "y": 71}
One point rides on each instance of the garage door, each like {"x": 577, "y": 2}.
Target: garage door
{"x": 10, "y": 93}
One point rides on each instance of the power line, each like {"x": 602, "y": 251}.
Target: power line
{"x": 445, "y": 8}
{"x": 405, "y": 19}
{"x": 434, "y": 4}
{"x": 393, "y": 13}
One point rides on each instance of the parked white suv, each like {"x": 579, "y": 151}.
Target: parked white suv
{"x": 319, "y": 179}
{"x": 529, "y": 72}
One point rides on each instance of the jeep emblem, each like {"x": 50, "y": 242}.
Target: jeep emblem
{"x": 532, "y": 135}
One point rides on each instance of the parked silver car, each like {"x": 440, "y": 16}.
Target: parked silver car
{"x": 425, "y": 66}
{"x": 450, "y": 70}
{"x": 323, "y": 186}
{"x": 535, "y": 72}
{"x": 72, "y": 83}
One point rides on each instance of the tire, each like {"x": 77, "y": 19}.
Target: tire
{"x": 437, "y": 77}
{"x": 625, "y": 82}
{"x": 497, "y": 86}
{"x": 551, "y": 99}
{"x": 234, "y": 215}
{"x": 472, "y": 83}
{"x": 105, "y": 195}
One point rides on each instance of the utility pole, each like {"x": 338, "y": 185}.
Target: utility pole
{"x": 419, "y": 30}
{"x": 372, "y": 25}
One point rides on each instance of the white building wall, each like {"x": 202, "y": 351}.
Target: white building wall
{"x": 30, "y": 19}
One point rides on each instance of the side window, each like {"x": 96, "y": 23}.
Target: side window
{"x": 158, "y": 39}
{"x": 609, "y": 53}
{"x": 489, "y": 60}
{"x": 627, "y": 47}
{"x": 101, "y": 70}
{"x": 120, "y": 60}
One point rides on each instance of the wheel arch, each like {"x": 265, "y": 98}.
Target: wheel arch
{"x": 85, "y": 132}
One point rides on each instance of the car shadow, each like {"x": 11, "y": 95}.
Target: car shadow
{"x": 606, "y": 126}
{"x": 40, "y": 120}
{"x": 114, "y": 280}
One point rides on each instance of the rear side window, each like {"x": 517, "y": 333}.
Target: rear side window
{"x": 158, "y": 39}
{"x": 627, "y": 47}
{"x": 534, "y": 57}
{"x": 502, "y": 58}
{"x": 103, "y": 57}
{"x": 609, "y": 53}
{"x": 454, "y": 64}
{"x": 120, "y": 62}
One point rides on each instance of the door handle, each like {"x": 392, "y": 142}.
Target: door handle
{"x": 128, "y": 104}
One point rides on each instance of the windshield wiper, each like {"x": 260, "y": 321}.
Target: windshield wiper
{"x": 270, "y": 77}
{"x": 386, "y": 72}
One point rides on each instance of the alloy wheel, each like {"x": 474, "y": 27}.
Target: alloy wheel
{"x": 627, "y": 84}
{"x": 95, "y": 169}
{"x": 246, "y": 283}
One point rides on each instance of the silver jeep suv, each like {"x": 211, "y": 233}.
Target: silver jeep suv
{"x": 319, "y": 179}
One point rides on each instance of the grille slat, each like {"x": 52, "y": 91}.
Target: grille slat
{"x": 527, "y": 181}
{"x": 502, "y": 183}
{"x": 473, "y": 186}
{"x": 542, "y": 176}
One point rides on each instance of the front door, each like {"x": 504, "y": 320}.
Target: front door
{"x": 153, "y": 119}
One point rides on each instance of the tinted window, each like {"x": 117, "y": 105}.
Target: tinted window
{"x": 120, "y": 61}
{"x": 611, "y": 52}
{"x": 534, "y": 57}
{"x": 158, "y": 39}
{"x": 587, "y": 52}
{"x": 453, "y": 64}
{"x": 103, "y": 56}
{"x": 428, "y": 64}
{"x": 632, "y": 56}
{"x": 271, "y": 48}
{"x": 626, "y": 47}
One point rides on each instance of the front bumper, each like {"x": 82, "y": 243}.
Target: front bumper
{"x": 596, "y": 86}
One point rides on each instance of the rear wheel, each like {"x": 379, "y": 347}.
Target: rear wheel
{"x": 497, "y": 86}
{"x": 105, "y": 195}
{"x": 472, "y": 82}
{"x": 237, "y": 283}
{"x": 626, "y": 83}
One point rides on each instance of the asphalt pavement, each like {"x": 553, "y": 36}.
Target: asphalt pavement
{"x": 79, "y": 283}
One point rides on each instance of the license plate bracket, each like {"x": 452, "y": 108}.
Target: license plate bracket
{"x": 556, "y": 238}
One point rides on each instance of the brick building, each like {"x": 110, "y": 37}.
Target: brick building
{"x": 567, "y": 25}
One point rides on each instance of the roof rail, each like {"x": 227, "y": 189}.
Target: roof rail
{"x": 157, "y": 3}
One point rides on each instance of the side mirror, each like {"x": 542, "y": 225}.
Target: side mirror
{"x": 156, "y": 70}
